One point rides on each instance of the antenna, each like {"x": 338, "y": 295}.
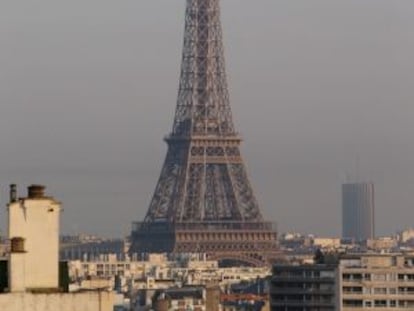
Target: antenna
{"x": 357, "y": 168}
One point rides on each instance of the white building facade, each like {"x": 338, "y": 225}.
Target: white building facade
{"x": 33, "y": 261}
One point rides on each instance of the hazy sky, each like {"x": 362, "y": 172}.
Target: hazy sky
{"x": 88, "y": 90}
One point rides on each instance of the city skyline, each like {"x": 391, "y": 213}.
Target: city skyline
{"x": 84, "y": 89}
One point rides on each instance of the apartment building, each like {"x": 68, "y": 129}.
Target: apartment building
{"x": 305, "y": 288}
{"x": 377, "y": 282}
{"x": 353, "y": 282}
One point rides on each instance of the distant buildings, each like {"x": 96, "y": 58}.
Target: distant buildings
{"x": 349, "y": 282}
{"x": 406, "y": 236}
{"x": 189, "y": 282}
{"x": 87, "y": 248}
{"x": 198, "y": 298}
{"x": 358, "y": 211}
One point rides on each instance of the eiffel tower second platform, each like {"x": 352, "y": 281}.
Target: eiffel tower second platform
{"x": 228, "y": 241}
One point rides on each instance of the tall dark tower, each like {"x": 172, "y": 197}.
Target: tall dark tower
{"x": 358, "y": 210}
{"x": 203, "y": 201}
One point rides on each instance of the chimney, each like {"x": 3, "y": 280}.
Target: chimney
{"x": 36, "y": 192}
{"x": 34, "y": 235}
{"x": 13, "y": 193}
{"x": 17, "y": 245}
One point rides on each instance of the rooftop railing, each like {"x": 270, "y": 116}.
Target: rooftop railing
{"x": 206, "y": 225}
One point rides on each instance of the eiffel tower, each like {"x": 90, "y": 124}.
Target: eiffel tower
{"x": 203, "y": 202}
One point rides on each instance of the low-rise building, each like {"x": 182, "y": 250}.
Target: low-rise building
{"x": 406, "y": 235}
{"x": 88, "y": 248}
{"x": 305, "y": 287}
{"x": 382, "y": 243}
{"x": 352, "y": 282}
{"x": 332, "y": 243}
{"x": 197, "y": 298}
{"x": 107, "y": 268}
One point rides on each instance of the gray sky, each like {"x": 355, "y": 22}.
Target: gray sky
{"x": 88, "y": 90}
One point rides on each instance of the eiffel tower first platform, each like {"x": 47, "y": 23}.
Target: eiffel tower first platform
{"x": 203, "y": 202}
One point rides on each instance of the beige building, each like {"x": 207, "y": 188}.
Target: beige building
{"x": 34, "y": 233}
{"x": 406, "y": 235}
{"x": 194, "y": 272}
{"x": 33, "y": 264}
{"x": 327, "y": 242}
{"x": 86, "y": 301}
{"x": 156, "y": 266}
{"x": 377, "y": 282}
{"x": 354, "y": 282}
{"x": 382, "y": 243}
{"x": 107, "y": 268}
{"x": 195, "y": 298}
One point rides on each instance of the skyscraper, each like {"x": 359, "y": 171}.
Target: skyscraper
{"x": 358, "y": 211}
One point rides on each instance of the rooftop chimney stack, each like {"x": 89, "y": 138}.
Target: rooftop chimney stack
{"x": 36, "y": 192}
{"x": 34, "y": 235}
{"x": 13, "y": 193}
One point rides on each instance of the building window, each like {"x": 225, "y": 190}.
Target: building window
{"x": 356, "y": 303}
{"x": 357, "y": 276}
{"x": 327, "y": 274}
{"x": 380, "y": 303}
{"x": 352, "y": 289}
{"x": 379, "y": 276}
{"x": 380, "y": 291}
{"x": 392, "y": 277}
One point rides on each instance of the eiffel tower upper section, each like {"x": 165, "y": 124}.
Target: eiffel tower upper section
{"x": 203, "y": 106}
{"x": 203, "y": 178}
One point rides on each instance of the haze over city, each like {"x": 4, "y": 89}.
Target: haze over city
{"x": 88, "y": 91}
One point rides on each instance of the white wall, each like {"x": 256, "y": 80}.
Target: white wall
{"x": 88, "y": 301}
{"x": 37, "y": 221}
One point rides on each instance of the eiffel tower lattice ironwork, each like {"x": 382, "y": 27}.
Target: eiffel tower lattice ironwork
{"x": 203, "y": 201}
